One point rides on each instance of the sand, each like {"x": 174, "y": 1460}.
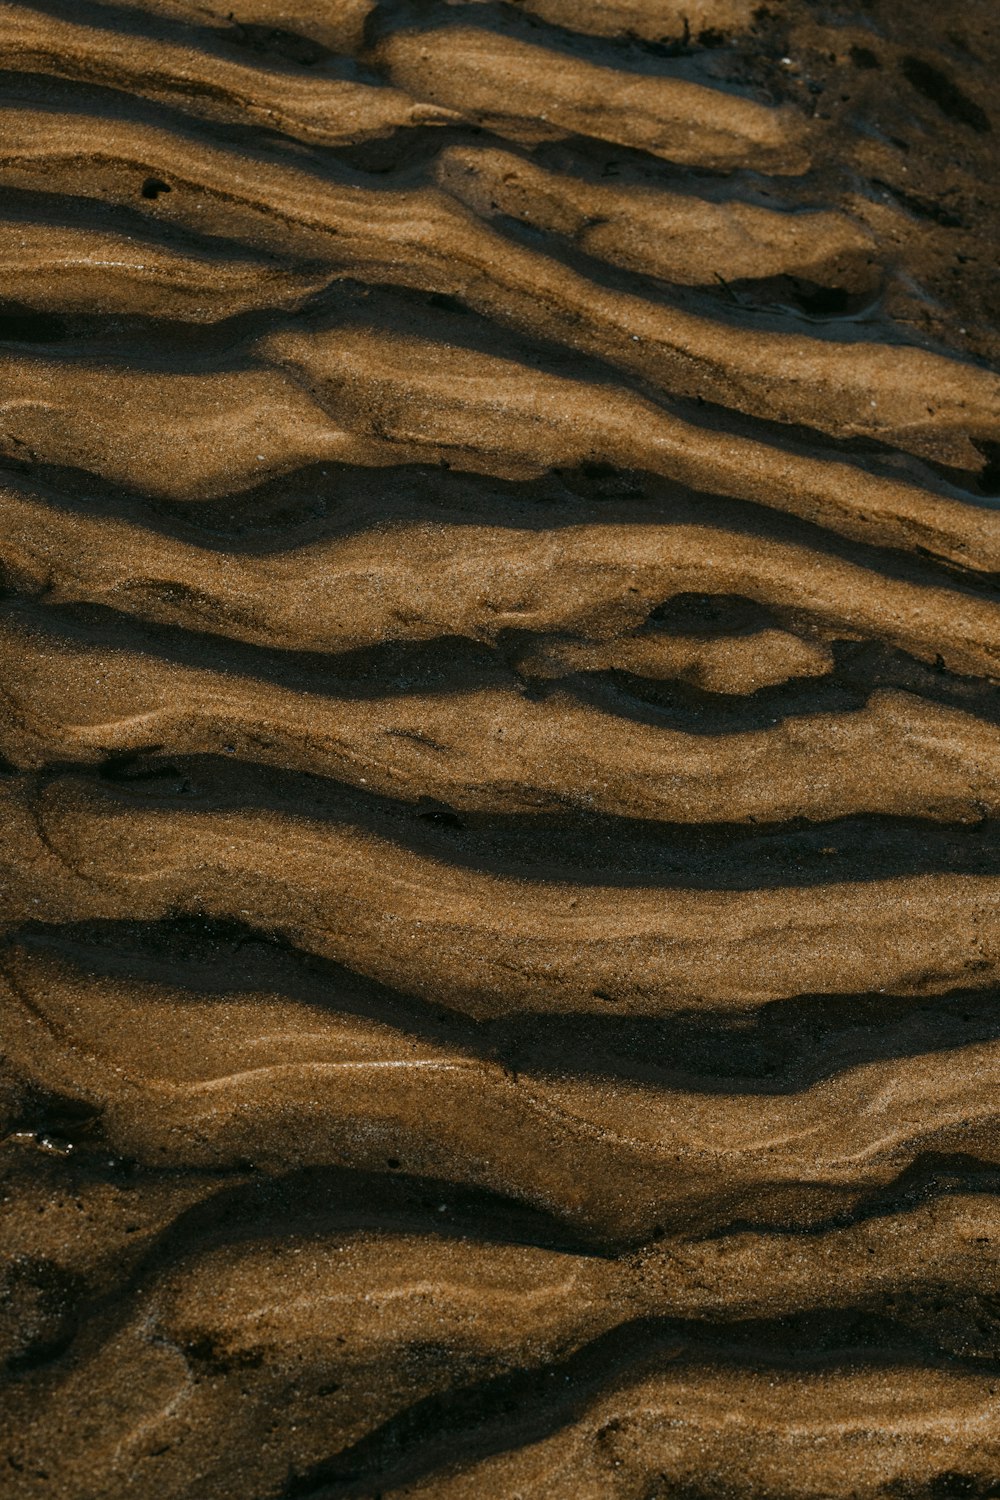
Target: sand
{"x": 499, "y": 750}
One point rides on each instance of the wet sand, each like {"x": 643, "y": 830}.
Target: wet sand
{"x": 499, "y": 750}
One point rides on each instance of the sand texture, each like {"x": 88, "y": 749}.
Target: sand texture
{"x": 499, "y": 750}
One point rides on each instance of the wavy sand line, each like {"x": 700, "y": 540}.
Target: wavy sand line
{"x": 206, "y": 81}
{"x": 825, "y": 1435}
{"x": 737, "y": 665}
{"x": 215, "y": 1083}
{"x": 494, "y": 750}
{"x": 422, "y": 238}
{"x": 686, "y": 1410}
{"x": 349, "y": 396}
{"x": 599, "y": 581}
{"x": 460, "y": 399}
{"x": 915, "y": 1266}
{"x": 674, "y": 236}
{"x": 69, "y": 269}
{"x": 489, "y": 77}
{"x": 654, "y": 20}
{"x": 275, "y": 27}
{"x": 492, "y": 944}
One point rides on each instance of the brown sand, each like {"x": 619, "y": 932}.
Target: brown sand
{"x": 499, "y": 750}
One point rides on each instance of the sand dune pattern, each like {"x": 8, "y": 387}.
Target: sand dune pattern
{"x": 499, "y": 751}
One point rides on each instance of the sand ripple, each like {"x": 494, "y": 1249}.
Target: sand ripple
{"x": 499, "y": 751}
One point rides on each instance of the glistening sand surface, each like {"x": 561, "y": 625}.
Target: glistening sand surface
{"x": 499, "y": 750}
